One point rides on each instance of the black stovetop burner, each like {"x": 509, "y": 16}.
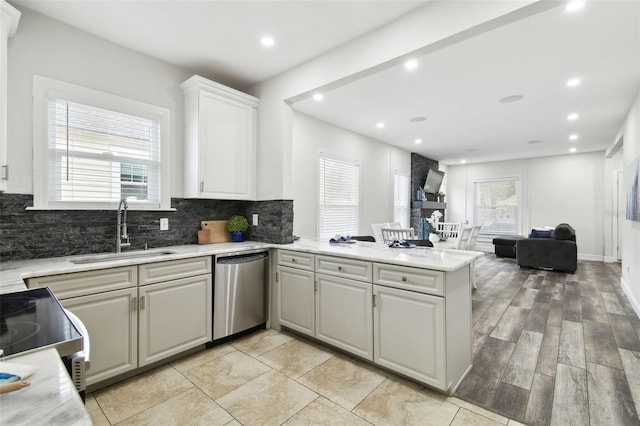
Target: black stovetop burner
{"x": 33, "y": 319}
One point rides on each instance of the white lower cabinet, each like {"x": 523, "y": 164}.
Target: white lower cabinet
{"x": 112, "y": 321}
{"x": 173, "y": 316}
{"x": 344, "y": 314}
{"x": 409, "y": 336}
{"x": 296, "y": 304}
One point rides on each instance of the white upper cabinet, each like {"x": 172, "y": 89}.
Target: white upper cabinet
{"x": 220, "y": 141}
{"x": 9, "y": 18}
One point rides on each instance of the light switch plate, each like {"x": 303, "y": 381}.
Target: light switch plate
{"x": 255, "y": 219}
{"x": 164, "y": 224}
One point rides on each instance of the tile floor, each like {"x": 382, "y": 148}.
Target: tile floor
{"x": 272, "y": 378}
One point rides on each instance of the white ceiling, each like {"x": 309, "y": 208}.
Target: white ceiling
{"x": 456, "y": 88}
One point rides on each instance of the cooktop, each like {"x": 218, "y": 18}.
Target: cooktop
{"x": 34, "y": 319}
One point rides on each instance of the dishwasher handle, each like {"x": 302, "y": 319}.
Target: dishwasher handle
{"x": 241, "y": 258}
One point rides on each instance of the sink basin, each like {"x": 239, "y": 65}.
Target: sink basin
{"x": 107, "y": 257}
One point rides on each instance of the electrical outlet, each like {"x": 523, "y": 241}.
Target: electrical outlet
{"x": 164, "y": 224}
{"x": 255, "y": 219}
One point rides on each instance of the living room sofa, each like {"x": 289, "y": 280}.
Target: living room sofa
{"x": 556, "y": 249}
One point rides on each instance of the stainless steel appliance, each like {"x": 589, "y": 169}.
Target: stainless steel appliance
{"x": 239, "y": 295}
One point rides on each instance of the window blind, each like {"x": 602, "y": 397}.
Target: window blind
{"x": 100, "y": 156}
{"x": 338, "y": 197}
{"x": 401, "y": 199}
{"x": 496, "y": 206}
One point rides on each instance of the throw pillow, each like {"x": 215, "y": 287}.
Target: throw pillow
{"x": 563, "y": 232}
{"x": 536, "y": 233}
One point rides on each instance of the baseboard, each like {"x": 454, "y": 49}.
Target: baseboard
{"x": 610, "y": 259}
{"x": 592, "y": 257}
{"x": 627, "y": 290}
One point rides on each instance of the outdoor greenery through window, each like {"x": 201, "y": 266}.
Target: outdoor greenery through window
{"x": 338, "y": 197}
{"x": 401, "y": 199}
{"x": 497, "y": 206}
{"x": 97, "y": 155}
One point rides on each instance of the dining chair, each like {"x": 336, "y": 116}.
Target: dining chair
{"x": 449, "y": 229}
{"x": 463, "y": 238}
{"x": 377, "y": 229}
{"x": 400, "y": 234}
{"x": 473, "y": 237}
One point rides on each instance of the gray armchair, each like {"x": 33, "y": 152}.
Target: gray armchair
{"x": 558, "y": 251}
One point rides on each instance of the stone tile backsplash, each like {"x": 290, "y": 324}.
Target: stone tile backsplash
{"x": 30, "y": 234}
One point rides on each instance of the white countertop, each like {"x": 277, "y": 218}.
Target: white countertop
{"x": 50, "y": 399}
{"x": 420, "y": 257}
{"x": 14, "y": 273}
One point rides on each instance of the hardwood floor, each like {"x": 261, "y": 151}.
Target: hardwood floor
{"x": 552, "y": 348}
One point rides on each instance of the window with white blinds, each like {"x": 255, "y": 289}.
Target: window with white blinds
{"x": 401, "y": 198}
{"x": 338, "y": 197}
{"x": 497, "y": 205}
{"x": 99, "y": 150}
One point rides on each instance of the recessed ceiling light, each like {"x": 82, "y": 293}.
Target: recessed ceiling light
{"x": 574, "y": 82}
{"x": 380, "y": 125}
{"x": 318, "y": 97}
{"x": 573, "y": 149}
{"x": 575, "y": 5}
{"x": 463, "y": 161}
{"x": 267, "y": 41}
{"x": 573, "y": 116}
{"x": 417, "y": 119}
{"x": 573, "y": 137}
{"x": 418, "y": 141}
{"x": 411, "y": 64}
{"x": 534, "y": 141}
{"x": 511, "y": 98}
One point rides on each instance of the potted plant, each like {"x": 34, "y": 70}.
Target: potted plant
{"x": 441, "y": 197}
{"x": 237, "y": 225}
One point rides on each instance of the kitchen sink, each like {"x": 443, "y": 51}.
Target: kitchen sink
{"x": 107, "y": 257}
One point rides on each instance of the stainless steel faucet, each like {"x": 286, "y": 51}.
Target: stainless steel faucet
{"x": 121, "y": 226}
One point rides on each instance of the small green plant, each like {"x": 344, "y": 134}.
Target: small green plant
{"x": 237, "y": 223}
{"x": 441, "y": 194}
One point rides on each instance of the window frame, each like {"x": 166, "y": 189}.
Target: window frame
{"x": 44, "y": 89}
{"x": 339, "y": 158}
{"x": 407, "y": 214}
{"x": 518, "y": 187}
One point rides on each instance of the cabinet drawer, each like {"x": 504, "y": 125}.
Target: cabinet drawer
{"x": 345, "y": 268}
{"x": 296, "y": 259}
{"x": 414, "y": 279}
{"x": 77, "y": 284}
{"x": 151, "y": 273}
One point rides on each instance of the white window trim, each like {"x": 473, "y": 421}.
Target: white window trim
{"x": 324, "y": 153}
{"x": 407, "y": 174}
{"x": 518, "y": 180}
{"x": 43, "y": 89}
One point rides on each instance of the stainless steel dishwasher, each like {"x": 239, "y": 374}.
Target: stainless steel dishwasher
{"x": 239, "y": 295}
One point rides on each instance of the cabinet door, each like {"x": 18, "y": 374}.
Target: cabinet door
{"x": 174, "y": 316}
{"x": 344, "y": 316}
{"x": 296, "y": 301}
{"x": 409, "y": 334}
{"x": 227, "y": 148}
{"x": 111, "y": 320}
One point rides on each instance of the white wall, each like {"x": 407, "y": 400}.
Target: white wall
{"x": 631, "y": 230}
{"x": 52, "y": 49}
{"x": 377, "y": 164}
{"x": 567, "y": 188}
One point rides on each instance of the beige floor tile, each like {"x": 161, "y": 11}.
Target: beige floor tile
{"x": 233, "y": 422}
{"x": 515, "y": 423}
{"x": 295, "y": 358}
{"x": 226, "y": 373}
{"x": 192, "y": 407}
{"x": 469, "y": 418}
{"x": 324, "y": 412}
{"x": 260, "y": 342}
{"x": 202, "y": 357}
{"x": 90, "y": 403}
{"x": 98, "y": 418}
{"x": 135, "y": 395}
{"x": 268, "y": 400}
{"x": 478, "y": 410}
{"x": 393, "y": 403}
{"x": 342, "y": 381}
